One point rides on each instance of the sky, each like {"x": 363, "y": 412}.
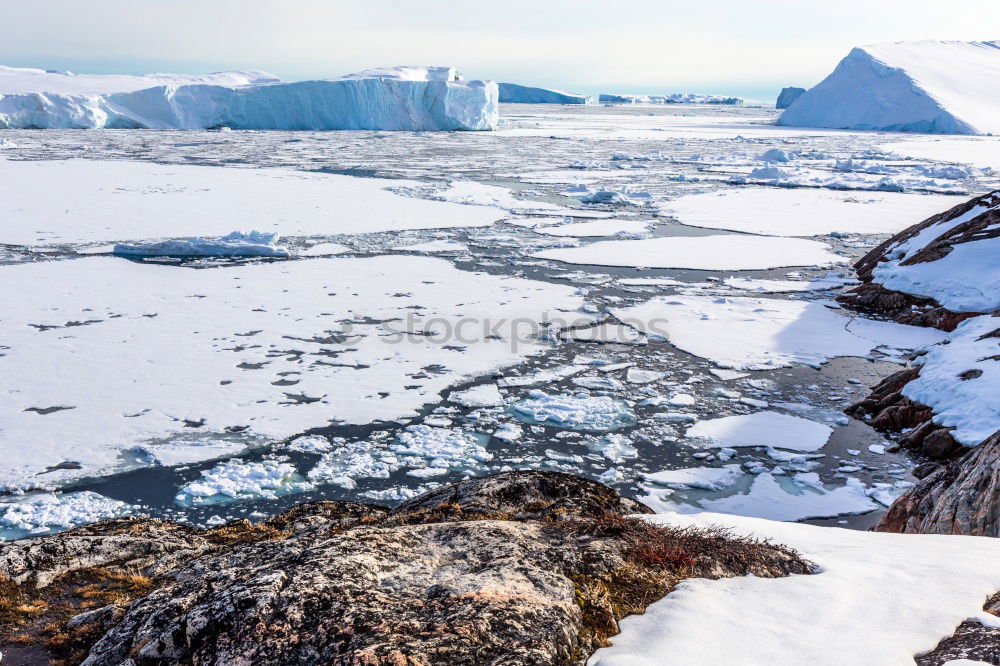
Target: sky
{"x": 734, "y": 47}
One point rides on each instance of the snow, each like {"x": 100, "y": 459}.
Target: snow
{"x": 846, "y": 614}
{"x": 235, "y": 244}
{"x": 806, "y": 212}
{"x": 946, "y": 87}
{"x": 50, "y": 512}
{"x": 574, "y": 412}
{"x": 723, "y": 252}
{"x": 770, "y": 429}
{"x": 788, "y": 96}
{"x": 514, "y": 93}
{"x": 238, "y": 481}
{"x": 598, "y": 228}
{"x": 966, "y": 279}
{"x": 742, "y": 333}
{"x": 705, "y": 478}
{"x": 400, "y": 98}
{"x": 971, "y": 404}
{"x": 108, "y": 201}
{"x": 982, "y": 152}
{"x": 132, "y": 365}
{"x": 673, "y": 98}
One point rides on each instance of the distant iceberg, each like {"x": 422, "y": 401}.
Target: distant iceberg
{"x": 675, "y": 98}
{"x": 236, "y": 244}
{"x": 924, "y": 86}
{"x": 391, "y": 98}
{"x": 518, "y": 94}
{"x": 787, "y": 96}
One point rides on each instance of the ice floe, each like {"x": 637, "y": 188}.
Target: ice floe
{"x": 483, "y": 395}
{"x": 238, "y": 481}
{"x": 269, "y": 350}
{"x": 806, "y": 212}
{"x": 704, "y": 478}
{"x": 432, "y": 451}
{"x": 765, "y": 429}
{"x": 235, "y": 244}
{"x": 51, "y": 512}
{"x": 117, "y": 201}
{"x": 722, "y": 252}
{"x": 575, "y": 412}
{"x": 741, "y": 333}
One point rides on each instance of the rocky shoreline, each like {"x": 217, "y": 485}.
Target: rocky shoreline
{"x": 513, "y": 568}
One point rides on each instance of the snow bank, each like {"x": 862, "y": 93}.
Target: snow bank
{"x": 674, "y": 98}
{"x": 945, "y": 262}
{"x": 846, "y": 614}
{"x": 946, "y": 87}
{"x": 960, "y": 380}
{"x": 787, "y": 96}
{"x": 518, "y": 94}
{"x": 235, "y": 244}
{"x": 392, "y": 98}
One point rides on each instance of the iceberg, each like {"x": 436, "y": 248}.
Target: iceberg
{"x": 235, "y": 244}
{"x": 390, "y": 98}
{"x": 674, "y": 98}
{"x": 787, "y": 96}
{"x": 512, "y": 93}
{"x": 944, "y": 87}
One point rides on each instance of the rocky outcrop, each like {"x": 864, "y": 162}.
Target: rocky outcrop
{"x": 960, "y": 497}
{"x": 929, "y": 241}
{"x": 887, "y": 410}
{"x": 516, "y": 568}
{"x": 973, "y": 640}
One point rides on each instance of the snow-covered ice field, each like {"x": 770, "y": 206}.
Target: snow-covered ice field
{"x": 638, "y": 294}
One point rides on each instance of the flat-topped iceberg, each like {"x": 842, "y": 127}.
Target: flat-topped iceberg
{"x": 390, "y": 98}
{"x": 673, "y": 98}
{"x": 924, "y": 86}
{"x": 512, "y": 93}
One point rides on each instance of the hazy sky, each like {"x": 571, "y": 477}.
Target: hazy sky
{"x": 640, "y": 46}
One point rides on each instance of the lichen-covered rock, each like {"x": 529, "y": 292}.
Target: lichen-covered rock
{"x": 960, "y": 497}
{"x": 519, "y": 568}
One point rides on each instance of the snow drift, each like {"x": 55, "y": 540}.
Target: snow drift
{"x": 924, "y": 86}
{"x": 673, "y": 98}
{"x": 518, "y": 94}
{"x": 392, "y": 98}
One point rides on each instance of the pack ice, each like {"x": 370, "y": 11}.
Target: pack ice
{"x": 672, "y": 98}
{"x": 513, "y": 93}
{"x": 391, "y": 98}
{"x": 945, "y": 87}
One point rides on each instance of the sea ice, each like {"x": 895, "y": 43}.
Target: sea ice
{"x": 703, "y": 478}
{"x": 806, "y": 212}
{"x": 723, "y": 252}
{"x": 765, "y": 429}
{"x": 238, "y": 481}
{"x": 483, "y": 395}
{"x": 51, "y": 512}
{"x": 235, "y": 244}
{"x": 101, "y": 201}
{"x": 575, "y": 412}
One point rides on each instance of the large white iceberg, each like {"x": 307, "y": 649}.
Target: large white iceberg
{"x": 392, "y": 98}
{"x": 513, "y": 93}
{"x": 924, "y": 86}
